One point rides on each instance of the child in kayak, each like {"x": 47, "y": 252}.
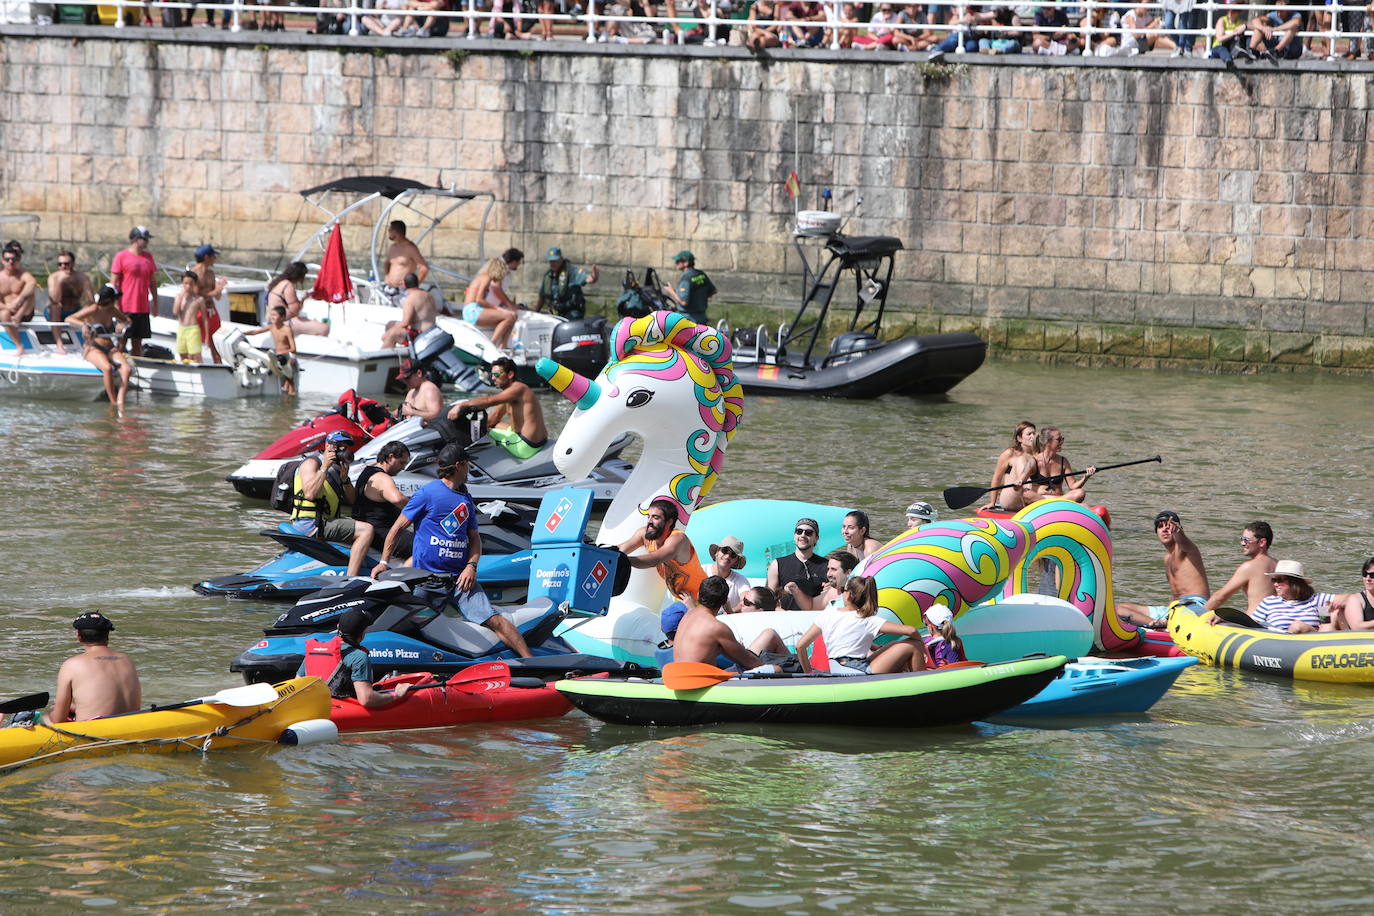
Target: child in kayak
{"x": 849, "y": 633}
{"x": 943, "y": 645}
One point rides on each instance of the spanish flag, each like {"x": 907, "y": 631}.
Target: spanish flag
{"x": 792, "y": 186}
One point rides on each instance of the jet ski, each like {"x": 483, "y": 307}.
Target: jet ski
{"x": 407, "y": 635}
{"x": 308, "y": 564}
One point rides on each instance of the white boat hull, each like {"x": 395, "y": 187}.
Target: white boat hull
{"x": 197, "y": 380}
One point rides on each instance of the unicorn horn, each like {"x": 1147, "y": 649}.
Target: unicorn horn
{"x": 579, "y": 389}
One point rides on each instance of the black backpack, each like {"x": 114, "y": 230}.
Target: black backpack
{"x": 284, "y": 486}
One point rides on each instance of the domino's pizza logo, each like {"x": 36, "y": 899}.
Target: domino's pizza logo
{"x": 595, "y": 578}
{"x": 559, "y": 512}
{"x": 455, "y": 520}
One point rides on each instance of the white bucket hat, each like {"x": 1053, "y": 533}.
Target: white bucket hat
{"x": 1290, "y": 568}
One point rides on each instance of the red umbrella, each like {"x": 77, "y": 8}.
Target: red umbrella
{"x": 333, "y": 283}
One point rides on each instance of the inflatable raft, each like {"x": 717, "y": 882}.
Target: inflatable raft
{"x": 947, "y": 696}
{"x": 198, "y": 727}
{"x": 1342, "y": 657}
{"x": 461, "y": 699}
{"x": 1101, "y": 686}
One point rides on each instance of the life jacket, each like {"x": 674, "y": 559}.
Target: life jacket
{"x": 322, "y": 509}
{"x": 372, "y": 416}
{"x": 683, "y": 579}
{"x": 324, "y": 660}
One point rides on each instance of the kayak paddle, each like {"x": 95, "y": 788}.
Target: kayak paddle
{"x": 959, "y": 497}
{"x": 248, "y": 695}
{"x": 693, "y": 675}
{"x": 1239, "y": 618}
{"x": 482, "y": 678}
{"x": 24, "y": 704}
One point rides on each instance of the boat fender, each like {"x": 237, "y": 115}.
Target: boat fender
{"x": 311, "y": 731}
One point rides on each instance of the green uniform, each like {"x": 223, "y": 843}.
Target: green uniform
{"x": 695, "y": 289}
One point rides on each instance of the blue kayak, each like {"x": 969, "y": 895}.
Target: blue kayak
{"x": 1093, "y": 687}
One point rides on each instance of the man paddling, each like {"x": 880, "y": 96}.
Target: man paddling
{"x": 447, "y": 543}
{"x": 1184, "y": 569}
{"x": 343, "y": 664}
{"x": 1253, "y": 575}
{"x": 100, "y": 681}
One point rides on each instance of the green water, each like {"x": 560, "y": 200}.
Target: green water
{"x": 1236, "y": 793}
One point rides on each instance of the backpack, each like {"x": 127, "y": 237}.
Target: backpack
{"x": 284, "y": 486}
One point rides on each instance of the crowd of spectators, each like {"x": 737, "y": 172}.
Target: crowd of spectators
{"x": 1225, "y": 29}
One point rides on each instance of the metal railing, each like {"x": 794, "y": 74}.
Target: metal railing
{"x": 940, "y": 25}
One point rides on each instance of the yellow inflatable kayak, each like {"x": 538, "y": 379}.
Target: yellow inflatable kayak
{"x": 232, "y": 717}
{"x": 1341, "y": 657}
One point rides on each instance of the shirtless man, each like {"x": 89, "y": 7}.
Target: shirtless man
{"x": 401, "y": 258}
{"x": 417, "y": 315}
{"x": 1184, "y": 569}
{"x": 423, "y": 398}
{"x": 700, "y": 637}
{"x": 17, "y": 288}
{"x": 211, "y": 287}
{"x": 1253, "y": 575}
{"x": 99, "y": 681}
{"x": 527, "y": 433}
{"x": 69, "y": 291}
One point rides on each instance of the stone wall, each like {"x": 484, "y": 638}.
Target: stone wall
{"x": 1124, "y": 213}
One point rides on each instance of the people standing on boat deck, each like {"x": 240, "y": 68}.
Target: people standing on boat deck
{"x": 561, "y": 288}
{"x": 379, "y": 500}
{"x": 448, "y": 544}
{"x": 69, "y": 291}
{"x": 281, "y": 290}
{"x": 1017, "y": 465}
{"x": 343, "y": 664}
{"x": 700, "y": 637}
{"x": 919, "y": 514}
{"x": 417, "y": 315}
{"x": 839, "y": 565}
{"x": 1051, "y": 462}
{"x": 1294, "y": 607}
{"x": 758, "y": 598}
{"x": 283, "y": 346}
{"x": 99, "y": 324}
{"x": 857, "y": 540}
{"x": 320, "y": 491}
{"x": 486, "y": 304}
{"x": 849, "y": 631}
{"x": 668, "y": 552}
{"x": 527, "y": 433}
{"x": 1184, "y": 569}
{"x": 402, "y": 257}
{"x": 727, "y": 559}
{"x": 187, "y": 310}
{"x": 802, "y": 566}
{"x": 17, "y": 289}
{"x": 694, "y": 289}
{"x": 131, "y": 272}
{"x": 1252, "y": 575}
{"x": 423, "y": 397}
{"x": 1356, "y": 612}
{"x": 100, "y": 681}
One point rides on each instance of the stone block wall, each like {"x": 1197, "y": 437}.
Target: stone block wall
{"x": 1103, "y": 213}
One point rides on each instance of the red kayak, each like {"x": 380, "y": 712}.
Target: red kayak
{"x": 482, "y": 693}
{"x": 1101, "y": 512}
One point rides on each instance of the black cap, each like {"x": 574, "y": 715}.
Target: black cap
{"x": 93, "y": 620}
{"x": 353, "y": 624}
{"x": 1168, "y": 515}
{"x": 450, "y": 455}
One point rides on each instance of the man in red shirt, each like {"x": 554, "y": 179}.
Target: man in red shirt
{"x": 131, "y": 272}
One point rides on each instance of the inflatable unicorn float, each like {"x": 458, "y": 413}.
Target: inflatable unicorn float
{"x": 670, "y": 381}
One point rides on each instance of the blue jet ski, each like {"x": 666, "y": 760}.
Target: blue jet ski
{"x": 308, "y": 564}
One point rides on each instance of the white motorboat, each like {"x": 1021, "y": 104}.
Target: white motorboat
{"x": 42, "y": 372}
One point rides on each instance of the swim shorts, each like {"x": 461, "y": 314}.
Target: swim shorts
{"x": 472, "y": 311}
{"x": 188, "y": 340}
{"x": 514, "y": 443}
{"x": 1195, "y": 603}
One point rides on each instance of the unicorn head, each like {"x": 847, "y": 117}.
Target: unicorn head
{"x": 670, "y": 381}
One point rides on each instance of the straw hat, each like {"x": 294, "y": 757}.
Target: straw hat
{"x": 734, "y": 544}
{"x": 1290, "y": 568}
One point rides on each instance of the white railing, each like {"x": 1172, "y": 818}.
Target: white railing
{"x": 951, "y": 26}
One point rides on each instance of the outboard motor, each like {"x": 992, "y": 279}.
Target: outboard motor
{"x": 851, "y": 346}
{"x": 581, "y": 345}
{"x": 435, "y": 353}
{"x": 248, "y": 361}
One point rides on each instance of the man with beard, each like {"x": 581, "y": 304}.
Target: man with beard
{"x": 802, "y": 566}
{"x": 670, "y": 554}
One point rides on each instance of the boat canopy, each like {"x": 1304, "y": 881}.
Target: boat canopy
{"x": 865, "y": 258}
{"x": 386, "y": 185}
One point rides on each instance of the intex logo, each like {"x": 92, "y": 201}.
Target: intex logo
{"x": 1268, "y": 661}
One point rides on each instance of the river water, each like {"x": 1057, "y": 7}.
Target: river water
{"x": 1236, "y": 793}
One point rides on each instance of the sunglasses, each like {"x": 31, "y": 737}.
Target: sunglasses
{"x": 10, "y": 258}
{"x": 1285, "y": 580}
{"x": 1246, "y": 542}
{"x": 728, "y": 551}
{"x": 1368, "y": 573}
{"x": 806, "y": 532}
{"x": 64, "y": 263}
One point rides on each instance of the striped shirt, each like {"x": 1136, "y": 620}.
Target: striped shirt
{"x": 1278, "y": 613}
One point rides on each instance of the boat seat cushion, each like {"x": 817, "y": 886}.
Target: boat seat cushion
{"x": 467, "y": 638}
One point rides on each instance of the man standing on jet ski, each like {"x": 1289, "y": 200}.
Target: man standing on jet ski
{"x": 528, "y": 433}
{"x": 448, "y": 544}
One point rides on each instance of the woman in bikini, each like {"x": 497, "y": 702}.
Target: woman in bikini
{"x": 1357, "y": 611}
{"x": 281, "y": 290}
{"x": 1052, "y": 463}
{"x": 488, "y": 306}
{"x": 1016, "y": 465}
{"x": 98, "y": 323}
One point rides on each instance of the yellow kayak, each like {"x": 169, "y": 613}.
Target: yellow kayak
{"x": 198, "y": 726}
{"x": 1341, "y": 657}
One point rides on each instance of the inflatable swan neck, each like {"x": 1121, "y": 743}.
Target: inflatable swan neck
{"x": 579, "y": 389}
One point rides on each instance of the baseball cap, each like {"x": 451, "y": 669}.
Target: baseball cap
{"x": 1168, "y": 515}
{"x": 93, "y": 620}
{"x": 204, "y": 251}
{"x": 408, "y": 368}
{"x": 139, "y": 232}
{"x": 107, "y": 292}
{"x": 555, "y": 254}
{"x": 354, "y": 623}
{"x": 339, "y": 437}
{"x": 672, "y": 615}
{"x": 922, "y": 510}
{"x": 684, "y": 255}
{"x": 938, "y": 615}
{"x": 450, "y": 455}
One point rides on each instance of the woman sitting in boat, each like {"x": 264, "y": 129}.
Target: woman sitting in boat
{"x": 1051, "y": 462}
{"x": 1294, "y": 607}
{"x": 1356, "y": 612}
{"x": 838, "y": 565}
{"x": 943, "y": 645}
{"x": 1017, "y": 465}
{"x": 488, "y": 306}
{"x": 281, "y": 290}
{"x": 100, "y": 323}
{"x": 849, "y": 632}
{"x": 857, "y": 540}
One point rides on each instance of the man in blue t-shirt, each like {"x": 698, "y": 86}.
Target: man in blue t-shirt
{"x": 447, "y": 543}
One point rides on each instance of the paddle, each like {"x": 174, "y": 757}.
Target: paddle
{"x": 959, "y": 497}
{"x": 482, "y": 678}
{"x": 1239, "y": 618}
{"x": 693, "y": 675}
{"x": 248, "y": 695}
{"x": 24, "y": 704}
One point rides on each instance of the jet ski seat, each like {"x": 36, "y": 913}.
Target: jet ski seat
{"x": 466, "y": 638}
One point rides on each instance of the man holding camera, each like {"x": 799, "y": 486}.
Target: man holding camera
{"x": 321, "y": 490}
